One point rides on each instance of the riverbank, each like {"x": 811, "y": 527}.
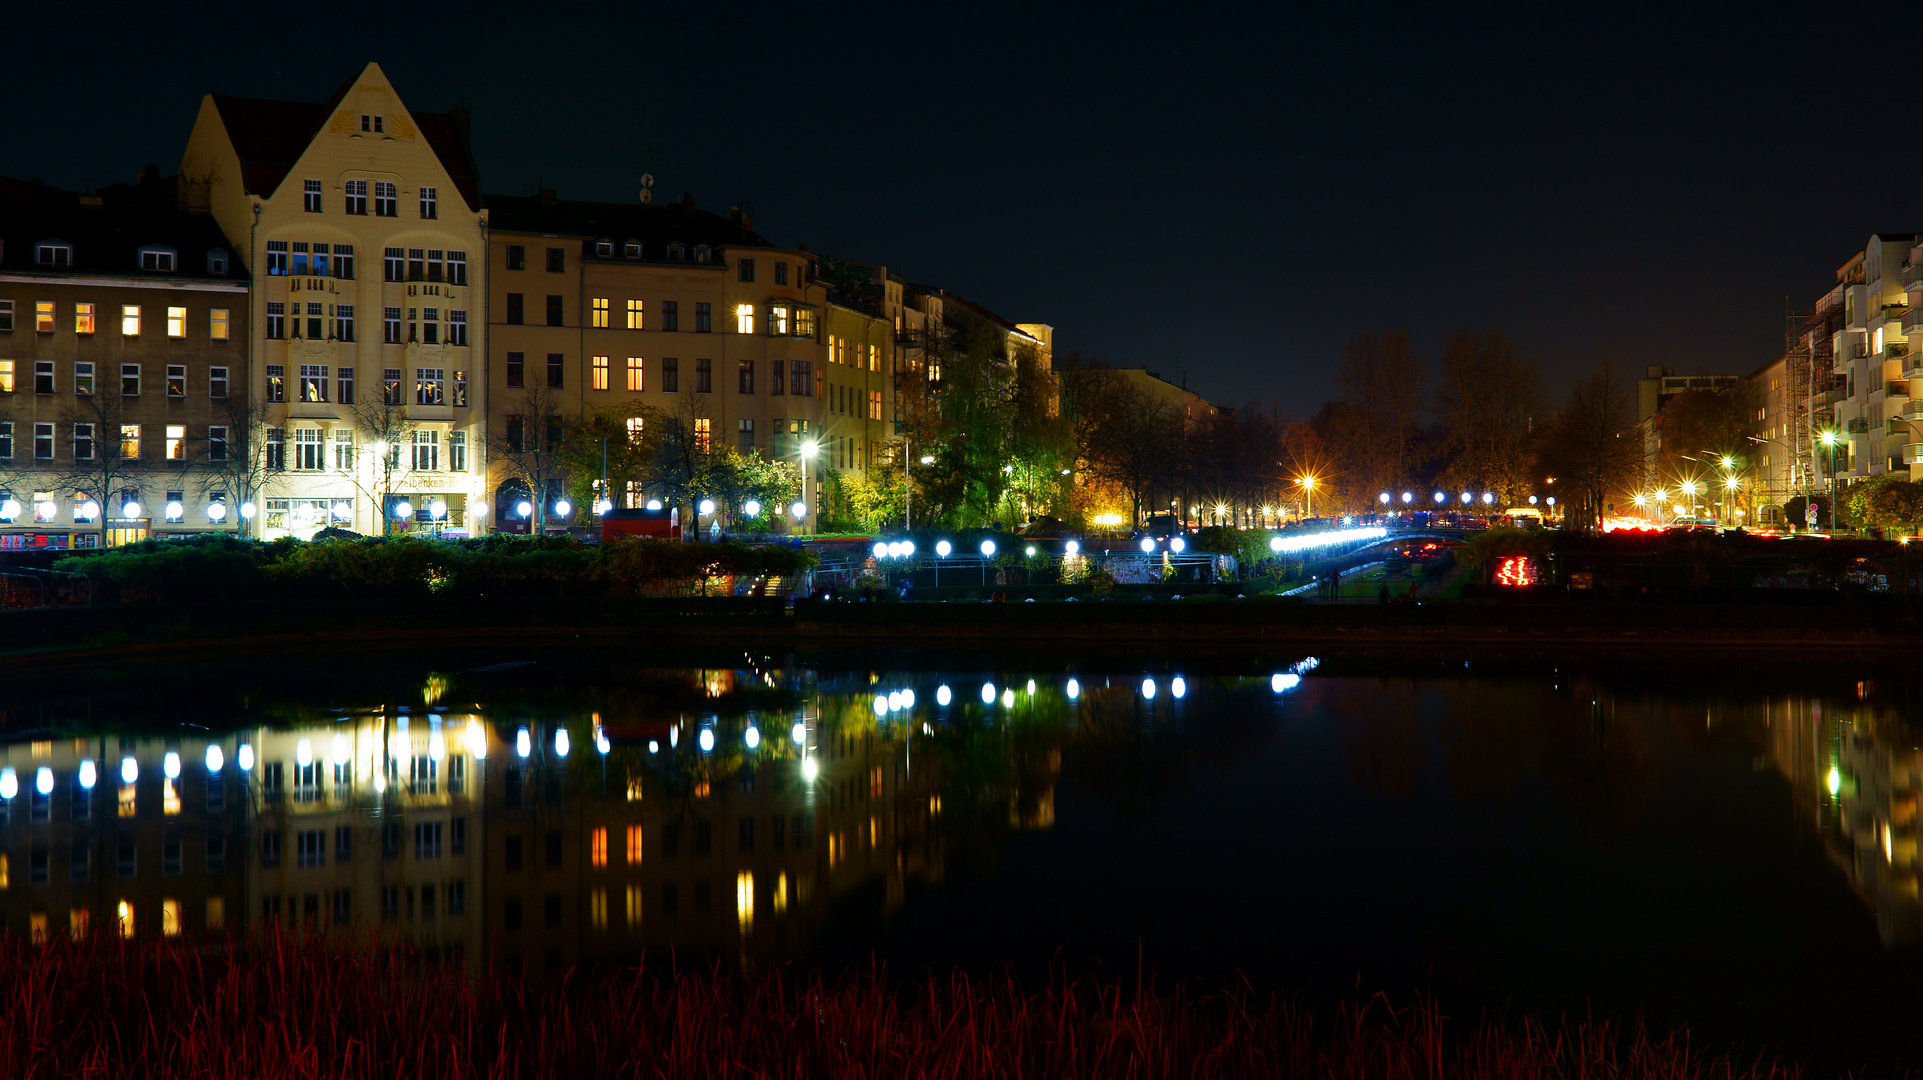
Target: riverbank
{"x": 283, "y": 1009}
{"x": 1766, "y": 624}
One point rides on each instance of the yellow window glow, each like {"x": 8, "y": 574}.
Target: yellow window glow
{"x": 599, "y": 373}
{"x": 636, "y": 374}
{"x": 637, "y": 310}
{"x": 176, "y": 322}
{"x": 216, "y": 912}
{"x": 598, "y": 847}
{"x": 598, "y": 909}
{"x": 598, "y": 311}
{"x": 83, "y": 318}
{"x": 43, "y": 316}
{"x": 130, "y": 320}
{"x": 744, "y": 901}
{"x": 124, "y": 916}
{"x": 634, "y": 906}
{"x": 170, "y": 917}
{"x": 634, "y": 845}
{"x": 217, "y": 324}
{"x": 744, "y": 318}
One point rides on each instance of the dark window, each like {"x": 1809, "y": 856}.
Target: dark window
{"x": 746, "y": 377}
{"x": 557, "y": 260}
{"x": 747, "y": 269}
{"x": 747, "y": 830}
{"x": 513, "y": 852}
{"x": 703, "y": 837}
{"x": 343, "y": 843}
{"x": 553, "y": 845}
{"x": 516, "y": 439}
{"x": 671, "y": 838}
{"x": 670, "y": 315}
{"x": 703, "y": 376}
{"x": 391, "y": 840}
{"x": 516, "y": 257}
{"x": 670, "y": 901}
{"x": 670, "y": 375}
{"x": 555, "y": 363}
{"x": 551, "y": 910}
{"x": 270, "y": 849}
{"x": 343, "y": 906}
{"x": 776, "y": 384}
{"x": 703, "y": 896}
{"x": 781, "y": 273}
{"x": 516, "y": 369}
{"x": 514, "y": 309}
{"x": 801, "y": 378}
{"x": 554, "y": 310}
{"x": 390, "y": 903}
{"x": 703, "y": 317}
{"x": 511, "y": 913}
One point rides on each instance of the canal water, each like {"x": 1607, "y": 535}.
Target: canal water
{"x": 1722, "y": 845}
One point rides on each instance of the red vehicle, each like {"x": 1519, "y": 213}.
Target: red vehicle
{"x": 662, "y": 524}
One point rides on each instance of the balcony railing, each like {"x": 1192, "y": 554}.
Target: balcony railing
{"x": 1896, "y": 310}
{"x": 1896, "y": 389}
{"x": 1913, "y": 453}
{"x": 1911, "y": 271}
{"x": 1859, "y": 426}
{"x": 1913, "y": 410}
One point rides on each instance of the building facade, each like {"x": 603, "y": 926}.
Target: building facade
{"x": 123, "y": 350}
{"x": 364, "y": 230}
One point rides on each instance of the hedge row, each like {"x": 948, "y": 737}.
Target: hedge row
{"x": 405, "y": 568}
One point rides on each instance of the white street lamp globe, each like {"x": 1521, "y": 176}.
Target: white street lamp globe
{"x": 1148, "y": 545}
{"x": 799, "y": 733}
{"x": 9, "y": 783}
{"x": 561, "y": 742}
{"x": 654, "y": 504}
{"x": 170, "y": 765}
{"x": 988, "y": 693}
{"x": 130, "y": 509}
{"x": 1178, "y": 687}
{"x": 928, "y": 459}
{"x": 1383, "y": 498}
{"x": 217, "y": 513}
{"x": 810, "y": 448}
{"x": 1467, "y": 498}
{"x": 988, "y": 548}
{"x": 1074, "y": 689}
{"x": 523, "y": 743}
{"x": 437, "y": 509}
{"x": 9, "y": 509}
{"x": 1071, "y": 547}
{"x": 403, "y": 510}
{"x": 45, "y": 510}
{"x": 342, "y": 510}
{"x": 810, "y": 769}
{"x": 942, "y": 548}
{"x": 1552, "y": 500}
{"x": 247, "y": 510}
{"x": 706, "y": 507}
{"x": 752, "y": 508}
{"x": 1408, "y": 497}
{"x": 43, "y": 780}
{"x": 478, "y": 507}
{"x": 602, "y": 506}
{"x": 799, "y": 509}
{"x": 907, "y": 699}
{"x": 881, "y": 551}
{"x": 1275, "y": 543}
{"x": 1029, "y": 551}
{"x": 707, "y": 740}
{"x": 907, "y": 548}
{"x": 244, "y": 757}
{"x": 89, "y": 508}
{"x": 1532, "y": 500}
{"x": 88, "y": 775}
{"x": 562, "y": 507}
{"x": 1177, "y": 545}
{"x": 174, "y": 509}
{"x": 1440, "y": 497}
{"x": 751, "y": 737}
{"x": 524, "y": 508}
{"x": 129, "y": 769}
{"x": 215, "y": 759}
{"x": 1488, "y": 497}
{"x": 1148, "y": 689}
{"x": 943, "y": 695}
{"x": 881, "y": 705}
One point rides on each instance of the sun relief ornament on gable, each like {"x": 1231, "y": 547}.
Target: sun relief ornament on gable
{"x": 343, "y": 123}
{"x": 400, "y": 126}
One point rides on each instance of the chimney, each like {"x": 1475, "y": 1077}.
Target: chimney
{"x": 687, "y": 201}
{"x": 148, "y": 174}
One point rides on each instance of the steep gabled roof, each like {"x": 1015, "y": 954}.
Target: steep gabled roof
{"x": 270, "y": 136}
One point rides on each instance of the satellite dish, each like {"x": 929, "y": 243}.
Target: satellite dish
{"x": 647, "y": 183}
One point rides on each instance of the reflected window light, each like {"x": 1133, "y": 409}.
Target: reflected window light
{"x": 752, "y": 737}
{"x": 342, "y": 749}
{"x": 9, "y": 783}
{"x": 907, "y": 699}
{"x": 1074, "y": 689}
{"x": 129, "y": 770}
{"x": 799, "y": 733}
{"x": 304, "y": 753}
{"x": 1031, "y": 688}
{"x": 881, "y": 704}
{"x": 170, "y": 765}
{"x": 1286, "y": 680}
{"x": 523, "y": 743}
{"x": 988, "y": 693}
{"x": 706, "y": 740}
{"x": 1178, "y": 687}
{"x": 87, "y": 774}
{"x": 943, "y": 695}
{"x": 561, "y": 742}
{"x": 436, "y": 745}
{"x": 809, "y": 770}
{"x": 215, "y": 759}
{"x": 1148, "y": 689}
{"x": 476, "y": 739}
{"x": 244, "y": 757}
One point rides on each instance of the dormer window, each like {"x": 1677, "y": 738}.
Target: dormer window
{"x": 677, "y": 251}
{"x": 217, "y": 261}
{"x": 703, "y": 253}
{"x": 158, "y": 258}
{"x": 57, "y": 254}
{"x": 604, "y": 249}
{"x": 631, "y": 249}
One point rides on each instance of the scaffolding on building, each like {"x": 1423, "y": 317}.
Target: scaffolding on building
{"x": 1810, "y": 395}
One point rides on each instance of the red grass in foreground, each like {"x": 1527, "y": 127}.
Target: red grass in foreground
{"x": 277, "y": 1009}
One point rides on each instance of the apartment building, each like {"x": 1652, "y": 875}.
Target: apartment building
{"x": 123, "y": 350}
{"x": 623, "y": 310}
{"x": 365, "y": 234}
{"x": 1874, "y": 371}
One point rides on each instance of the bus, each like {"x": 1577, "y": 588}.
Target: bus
{"x": 1521, "y": 517}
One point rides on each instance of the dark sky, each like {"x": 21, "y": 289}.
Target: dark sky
{"x": 1231, "y": 192}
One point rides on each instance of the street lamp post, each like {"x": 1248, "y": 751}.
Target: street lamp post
{"x": 1829, "y": 441}
{"x": 1307, "y": 483}
{"x": 808, "y": 450}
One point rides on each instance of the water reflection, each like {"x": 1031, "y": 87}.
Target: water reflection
{"x": 547, "y": 822}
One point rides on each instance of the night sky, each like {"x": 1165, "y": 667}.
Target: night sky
{"x": 1226, "y": 192}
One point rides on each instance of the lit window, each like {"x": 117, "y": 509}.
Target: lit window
{"x": 176, "y": 442}
{"x": 634, "y": 845}
{"x": 176, "y": 322}
{"x": 130, "y": 441}
{"x": 636, "y": 310}
{"x": 43, "y": 316}
{"x": 598, "y": 909}
{"x": 170, "y": 918}
{"x": 636, "y": 374}
{"x": 130, "y": 320}
{"x": 744, "y": 318}
{"x": 83, "y": 318}
{"x": 599, "y": 373}
{"x": 703, "y": 433}
{"x": 217, "y": 324}
{"x": 598, "y": 315}
{"x": 634, "y": 907}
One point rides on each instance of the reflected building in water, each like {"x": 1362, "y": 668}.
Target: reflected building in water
{"x": 537, "y": 841}
{"x": 1856, "y": 772}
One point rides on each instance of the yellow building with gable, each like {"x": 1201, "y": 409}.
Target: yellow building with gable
{"x": 363, "y": 228}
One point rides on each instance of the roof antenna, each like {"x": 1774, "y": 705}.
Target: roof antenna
{"x": 647, "y": 178}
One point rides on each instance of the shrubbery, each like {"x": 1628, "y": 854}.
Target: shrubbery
{"x": 223, "y": 568}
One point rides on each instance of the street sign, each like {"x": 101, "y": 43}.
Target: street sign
{"x": 1809, "y": 515}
